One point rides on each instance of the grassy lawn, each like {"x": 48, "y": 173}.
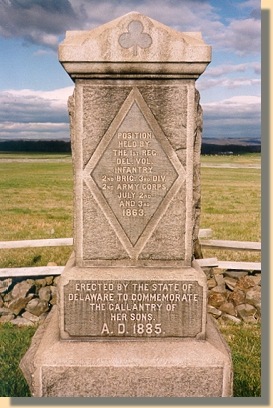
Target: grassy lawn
{"x": 36, "y": 202}
{"x": 14, "y": 342}
{"x": 245, "y": 345}
{"x": 231, "y": 203}
{"x": 249, "y": 159}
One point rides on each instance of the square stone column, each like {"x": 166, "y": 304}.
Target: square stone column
{"x": 131, "y": 318}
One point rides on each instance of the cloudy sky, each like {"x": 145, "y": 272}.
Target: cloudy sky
{"x": 34, "y": 87}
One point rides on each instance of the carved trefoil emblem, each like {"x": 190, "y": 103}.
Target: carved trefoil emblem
{"x": 135, "y": 37}
{"x": 134, "y": 174}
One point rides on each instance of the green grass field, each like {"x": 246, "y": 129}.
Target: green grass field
{"x": 231, "y": 203}
{"x": 36, "y": 202}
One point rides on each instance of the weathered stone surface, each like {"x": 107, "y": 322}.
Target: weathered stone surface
{"x": 237, "y": 297}
{"x": 256, "y": 279}
{"x": 132, "y": 302}
{"x": 216, "y": 299}
{"x": 21, "y": 322}
{"x": 17, "y": 305}
{"x": 56, "y": 280}
{"x": 228, "y": 308}
{"x": 7, "y": 297}
{"x": 247, "y": 312}
{"x": 229, "y": 318}
{"x": 103, "y": 51}
{"x": 49, "y": 279}
{"x": 136, "y": 156}
{"x": 219, "y": 289}
{"x": 31, "y": 317}
{"x": 4, "y": 311}
{"x": 214, "y": 312}
{"x": 220, "y": 280}
{"x": 6, "y": 315}
{"x": 31, "y": 281}
{"x": 211, "y": 283}
{"x": 43, "y": 317}
{"x": 5, "y": 284}
{"x": 7, "y": 318}
{"x": 236, "y": 275}
{"x": 157, "y": 368}
{"x": 231, "y": 283}
{"x": 209, "y": 272}
{"x": 22, "y": 289}
{"x": 37, "y": 306}
{"x": 245, "y": 283}
{"x": 253, "y": 297}
{"x": 45, "y": 293}
{"x": 1, "y": 301}
{"x": 53, "y": 299}
{"x": 151, "y": 227}
{"x": 40, "y": 282}
{"x": 137, "y": 214}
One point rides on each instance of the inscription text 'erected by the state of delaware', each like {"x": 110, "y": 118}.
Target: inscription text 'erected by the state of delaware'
{"x": 133, "y": 308}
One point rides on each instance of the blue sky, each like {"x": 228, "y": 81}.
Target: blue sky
{"x": 34, "y": 87}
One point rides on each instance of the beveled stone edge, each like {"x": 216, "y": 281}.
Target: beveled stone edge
{"x": 134, "y": 70}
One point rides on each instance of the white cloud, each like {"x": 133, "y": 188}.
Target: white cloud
{"x": 45, "y": 100}
{"x": 252, "y": 4}
{"x": 237, "y": 104}
{"x": 37, "y": 131}
{"x": 240, "y": 36}
{"x": 225, "y": 69}
{"x": 229, "y": 83}
{"x": 43, "y": 22}
{"x": 32, "y": 114}
{"x": 239, "y": 116}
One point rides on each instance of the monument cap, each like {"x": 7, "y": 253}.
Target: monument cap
{"x": 134, "y": 44}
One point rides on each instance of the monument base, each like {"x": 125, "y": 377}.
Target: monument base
{"x": 127, "y": 368}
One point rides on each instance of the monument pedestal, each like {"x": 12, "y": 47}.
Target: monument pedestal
{"x": 177, "y": 367}
{"x": 159, "y": 363}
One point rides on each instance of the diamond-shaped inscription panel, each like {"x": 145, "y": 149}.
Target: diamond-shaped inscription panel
{"x": 134, "y": 173}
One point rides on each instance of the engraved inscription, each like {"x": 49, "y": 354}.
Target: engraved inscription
{"x": 134, "y": 173}
{"x": 133, "y": 308}
{"x": 135, "y": 37}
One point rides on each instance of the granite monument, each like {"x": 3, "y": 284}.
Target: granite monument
{"x": 131, "y": 318}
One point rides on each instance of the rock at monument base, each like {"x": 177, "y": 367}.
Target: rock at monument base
{"x": 125, "y": 368}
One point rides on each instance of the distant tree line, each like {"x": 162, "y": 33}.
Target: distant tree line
{"x": 208, "y": 148}
{"x": 62, "y": 146}
{"x": 38, "y": 146}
